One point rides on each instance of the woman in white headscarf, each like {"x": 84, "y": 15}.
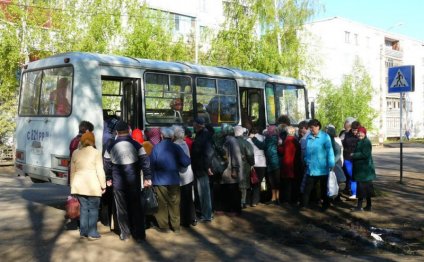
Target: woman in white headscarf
{"x": 187, "y": 209}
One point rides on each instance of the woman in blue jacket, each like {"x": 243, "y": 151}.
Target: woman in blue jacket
{"x": 319, "y": 160}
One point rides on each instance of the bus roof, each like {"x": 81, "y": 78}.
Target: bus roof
{"x": 177, "y": 67}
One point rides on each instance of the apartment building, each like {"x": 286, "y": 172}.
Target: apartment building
{"x": 337, "y": 43}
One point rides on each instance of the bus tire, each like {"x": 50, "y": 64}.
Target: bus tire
{"x": 35, "y": 180}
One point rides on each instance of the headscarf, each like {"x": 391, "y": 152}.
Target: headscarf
{"x": 362, "y": 129}
{"x": 137, "y": 135}
{"x": 154, "y": 135}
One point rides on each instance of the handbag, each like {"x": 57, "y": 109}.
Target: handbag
{"x": 218, "y": 164}
{"x": 149, "y": 201}
{"x": 253, "y": 176}
{"x": 332, "y": 185}
{"x": 72, "y": 208}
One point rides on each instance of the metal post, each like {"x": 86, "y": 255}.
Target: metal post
{"x": 401, "y": 144}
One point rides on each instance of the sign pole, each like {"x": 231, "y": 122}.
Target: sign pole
{"x": 401, "y": 144}
{"x": 401, "y": 79}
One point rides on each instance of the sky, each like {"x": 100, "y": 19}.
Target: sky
{"x": 401, "y": 17}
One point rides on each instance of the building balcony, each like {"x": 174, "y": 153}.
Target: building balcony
{"x": 389, "y": 52}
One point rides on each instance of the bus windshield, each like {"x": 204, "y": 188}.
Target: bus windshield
{"x": 46, "y": 92}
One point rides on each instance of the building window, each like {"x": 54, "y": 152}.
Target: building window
{"x": 389, "y": 62}
{"x": 347, "y": 37}
{"x": 356, "y": 39}
{"x": 177, "y": 22}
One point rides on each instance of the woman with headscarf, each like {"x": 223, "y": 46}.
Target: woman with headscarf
{"x": 290, "y": 167}
{"x": 270, "y": 145}
{"x": 260, "y": 165}
{"x": 154, "y": 138}
{"x": 230, "y": 193}
{"x": 187, "y": 210}
{"x": 248, "y": 160}
{"x": 88, "y": 182}
{"x": 363, "y": 170}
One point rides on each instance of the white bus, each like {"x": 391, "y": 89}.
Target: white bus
{"x": 58, "y": 92}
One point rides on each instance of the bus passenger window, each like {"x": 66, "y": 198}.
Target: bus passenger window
{"x": 59, "y": 103}
{"x": 168, "y": 99}
{"x": 46, "y": 92}
{"x": 220, "y": 98}
{"x": 30, "y": 93}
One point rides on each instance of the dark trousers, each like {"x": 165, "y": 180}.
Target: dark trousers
{"x": 130, "y": 213}
{"x": 230, "y": 198}
{"x": 290, "y": 190}
{"x": 360, "y": 200}
{"x": 311, "y": 183}
{"x": 169, "y": 206}
{"x": 256, "y": 188}
{"x": 187, "y": 210}
{"x": 89, "y": 214}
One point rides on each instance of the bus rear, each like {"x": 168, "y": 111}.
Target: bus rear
{"x": 56, "y": 94}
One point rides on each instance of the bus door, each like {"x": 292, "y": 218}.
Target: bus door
{"x": 119, "y": 101}
{"x": 252, "y": 108}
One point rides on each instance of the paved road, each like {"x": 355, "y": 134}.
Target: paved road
{"x": 389, "y": 158}
{"x": 32, "y": 228}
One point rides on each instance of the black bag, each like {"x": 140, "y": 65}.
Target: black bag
{"x": 218, "y": 163}
{"x": 149, "y": 201}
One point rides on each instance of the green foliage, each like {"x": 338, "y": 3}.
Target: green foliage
{"x": 277, "y": 49}
{"x": 235, "y": 45}
{"x": 149, "y": 35}
{"x": 351, "y": 99}
{"x": 9, "y": 65}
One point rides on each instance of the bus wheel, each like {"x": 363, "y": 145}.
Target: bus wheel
{"x": 35, "y": 180}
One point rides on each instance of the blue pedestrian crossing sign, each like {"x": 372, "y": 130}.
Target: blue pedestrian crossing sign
{"x": 401, "y": 79}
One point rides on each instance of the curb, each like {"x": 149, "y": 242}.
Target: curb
{"x": 410, "y": 145}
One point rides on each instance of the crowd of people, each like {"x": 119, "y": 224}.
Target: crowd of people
{"x": 212, "y": 173}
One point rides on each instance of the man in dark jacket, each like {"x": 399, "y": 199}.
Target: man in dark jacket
{"x": 201, "y": 157}
{"x": 125, "y": 157}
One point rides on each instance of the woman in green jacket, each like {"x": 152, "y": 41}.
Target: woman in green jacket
{"x": 363, "y": 170}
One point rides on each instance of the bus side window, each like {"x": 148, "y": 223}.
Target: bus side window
{"x": 220, "y": 96}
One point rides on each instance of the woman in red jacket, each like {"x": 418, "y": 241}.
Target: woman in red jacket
{"x": 289, "y": 153}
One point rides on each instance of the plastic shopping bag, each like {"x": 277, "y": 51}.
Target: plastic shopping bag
{"x": 149, "y": 200}
{"x": 332, "y": 185}
{"x": 72, "y": 207}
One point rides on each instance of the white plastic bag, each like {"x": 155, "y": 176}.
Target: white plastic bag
{"x": 332, "y": 185}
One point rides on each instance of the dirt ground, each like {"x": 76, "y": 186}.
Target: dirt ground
{"x": 269, "y": 233}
